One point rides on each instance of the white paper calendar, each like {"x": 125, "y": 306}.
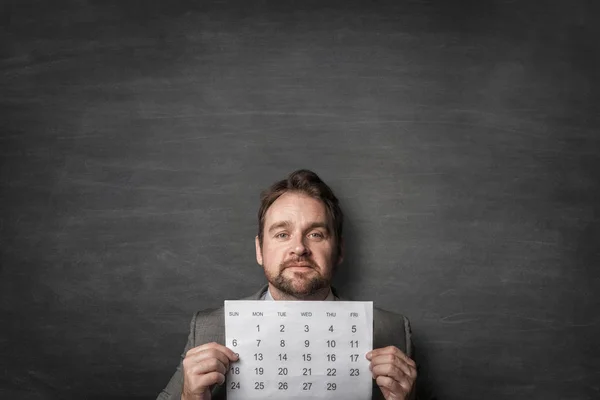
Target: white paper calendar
{"x": 299, "y": 349}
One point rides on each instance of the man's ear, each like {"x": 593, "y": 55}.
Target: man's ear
{"x": 340, "y": 257}
{"x": 259, "y": 257}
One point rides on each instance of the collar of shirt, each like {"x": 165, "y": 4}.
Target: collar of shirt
{"x": 267, "y": 296}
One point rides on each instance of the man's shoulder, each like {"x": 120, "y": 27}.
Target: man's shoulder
{"x": 388, "y": 316}
{"x": 391, "y": 328}
{"x": 391, "y": 321}
{"x": 207, "y": 325}
{"x": 209, "y": 313}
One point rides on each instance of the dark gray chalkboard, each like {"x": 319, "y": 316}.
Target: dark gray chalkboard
{"x": 461, "y": 137}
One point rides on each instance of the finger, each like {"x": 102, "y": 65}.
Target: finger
{"x": 394, "y": 387}
{"x": 382, "y": 350}
{"x": 216, "y": 346}
{"x": 213, "y": 345}
{"x": 400, "y": 354}
{"x": 207, "y": 380}
{"x": 207, "y": 354}
{"x": 391, "y": 350}
{"x": 393, "y": 359}
{"x": 386, "y": 392}
{"x": 393, "y": 371}
{"x": 206, "y": 366}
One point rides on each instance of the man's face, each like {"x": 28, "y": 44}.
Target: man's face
{"x": 298, "y": 252}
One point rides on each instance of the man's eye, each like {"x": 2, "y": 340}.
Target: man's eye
{"x": 281, "y": 235}
{"x": 317, "y": 235}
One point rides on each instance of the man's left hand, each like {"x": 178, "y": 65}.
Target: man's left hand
{"x": 394, "y": 372}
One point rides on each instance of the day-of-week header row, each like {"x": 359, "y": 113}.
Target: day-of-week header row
{"x": 352, "y": 314}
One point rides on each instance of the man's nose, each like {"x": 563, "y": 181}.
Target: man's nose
{"x": 299, "y": 247}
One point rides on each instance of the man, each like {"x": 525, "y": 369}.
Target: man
{"x": 299, "y": 245}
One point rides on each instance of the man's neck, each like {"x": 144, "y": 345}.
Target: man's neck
{"x": 320, "y": 295}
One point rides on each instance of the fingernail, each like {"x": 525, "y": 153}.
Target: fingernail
{"x": 368, "y": 355}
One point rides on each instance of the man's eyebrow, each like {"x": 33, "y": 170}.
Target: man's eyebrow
{"x": 323, "y": 225}
{"x": 288, "y": 224}
{"x": 279, "y": 225}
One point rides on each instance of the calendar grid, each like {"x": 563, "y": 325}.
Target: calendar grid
{"x": 297, "y": 350}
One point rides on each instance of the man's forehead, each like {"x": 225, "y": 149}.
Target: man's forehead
{"x": 295, "y": 206}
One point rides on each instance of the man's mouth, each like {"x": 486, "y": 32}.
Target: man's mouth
{"x": 299, "y": 266}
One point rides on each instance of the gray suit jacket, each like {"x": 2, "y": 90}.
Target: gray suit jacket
{"x": 389, "y": 329}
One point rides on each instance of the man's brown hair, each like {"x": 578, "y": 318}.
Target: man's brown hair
{"x": 308, "y": 183}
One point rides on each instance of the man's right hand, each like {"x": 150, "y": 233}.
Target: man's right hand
{"x": 204, "y": 366}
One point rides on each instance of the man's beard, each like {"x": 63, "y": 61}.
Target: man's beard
{"x": 312, "y": 281}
